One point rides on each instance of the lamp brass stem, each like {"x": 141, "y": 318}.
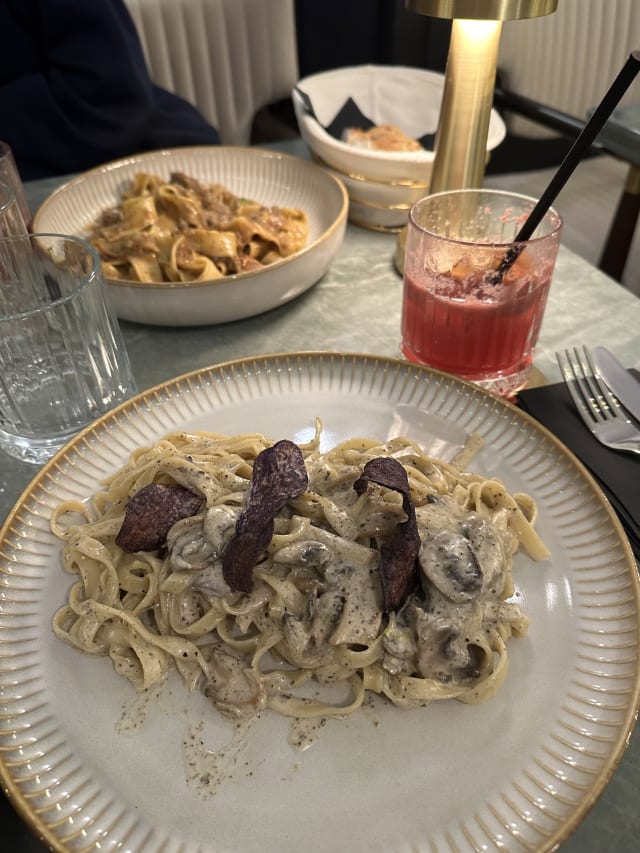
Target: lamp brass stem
{"x": 463, "y": 128}
{"x": 465, "y": 112}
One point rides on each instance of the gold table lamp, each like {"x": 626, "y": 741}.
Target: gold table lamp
{"x": 467, "y": 98}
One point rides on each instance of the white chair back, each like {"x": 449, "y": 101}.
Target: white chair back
{"x": 229, "y": 58}
{"x": 568, "y": 60}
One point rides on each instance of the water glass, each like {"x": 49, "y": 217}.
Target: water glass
{"x": 465, "y": 310}
{"x": 11, "y": 219}
{"x": 63, "y": 361}
{"x": 10, "y": 175}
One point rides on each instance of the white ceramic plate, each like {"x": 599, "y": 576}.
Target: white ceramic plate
{"x": 518, "y": 772}
{"x": 268, "y": 177}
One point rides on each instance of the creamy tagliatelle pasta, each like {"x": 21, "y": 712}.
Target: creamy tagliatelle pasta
{"x": 181, "y": 230}
{"x": 314, "y": 617}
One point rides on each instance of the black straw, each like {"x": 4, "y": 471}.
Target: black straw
{"x": 588, "y": 133}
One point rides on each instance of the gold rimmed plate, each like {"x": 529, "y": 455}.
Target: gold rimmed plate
{"x": 92, "y": 766}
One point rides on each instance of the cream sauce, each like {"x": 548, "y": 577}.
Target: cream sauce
{"x": 207, "y": 769}
{"x": 441, "y": 632}
{"x": 303, "y": 732}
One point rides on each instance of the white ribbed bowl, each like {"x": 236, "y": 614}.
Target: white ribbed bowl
{"x": 378, "y": 205}
{"x": 268, "y": 177}
{"x": 387, "y": 94}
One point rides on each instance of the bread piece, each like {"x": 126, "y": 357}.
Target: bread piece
{"x": 382, "y": 137}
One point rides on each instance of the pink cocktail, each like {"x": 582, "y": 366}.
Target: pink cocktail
{"x": 461, "y": 316}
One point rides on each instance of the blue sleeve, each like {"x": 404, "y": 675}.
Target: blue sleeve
{"x": 75, "y": 91}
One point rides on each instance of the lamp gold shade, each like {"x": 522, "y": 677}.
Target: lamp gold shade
{"x": 485, "y": 10}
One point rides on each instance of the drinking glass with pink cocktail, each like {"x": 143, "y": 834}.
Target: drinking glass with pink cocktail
{"x": 473, "y": 298}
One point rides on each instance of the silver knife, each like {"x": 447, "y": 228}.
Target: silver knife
{"x": 622, "y": 383}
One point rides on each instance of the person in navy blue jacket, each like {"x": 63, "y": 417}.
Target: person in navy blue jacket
{"x": 75, "y": 91}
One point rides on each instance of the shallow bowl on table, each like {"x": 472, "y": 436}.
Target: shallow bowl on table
{"x": 268, "y": 177}
{"x": 382, "y": 185}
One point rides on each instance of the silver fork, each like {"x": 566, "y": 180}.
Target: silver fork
{"x": 598, "y": 408}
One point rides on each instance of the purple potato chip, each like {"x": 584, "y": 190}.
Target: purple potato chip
{"x": 397, "y": 567}
{"x": 279, "y": 475}
{"x": 152, "y": 512}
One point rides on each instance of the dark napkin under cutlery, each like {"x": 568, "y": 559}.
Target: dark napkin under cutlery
{"x": 618, "y": 474}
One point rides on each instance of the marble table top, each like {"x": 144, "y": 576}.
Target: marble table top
{"x": 621, "y": 134}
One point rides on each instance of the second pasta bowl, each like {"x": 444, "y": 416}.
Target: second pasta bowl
{"x": 290, "y": 213}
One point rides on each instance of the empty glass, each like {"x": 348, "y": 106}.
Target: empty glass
{"x": 63, "y": 362}
{"x": 10, "y": 175}
{"x": 11, "y": 218}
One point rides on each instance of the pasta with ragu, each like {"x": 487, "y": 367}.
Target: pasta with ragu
{"x": 181, "y": 230}
{"x": 320, "y": 610}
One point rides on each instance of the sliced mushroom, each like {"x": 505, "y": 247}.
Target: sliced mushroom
{"x": 399, "y": 646}
{"x": 461, "y": 553}
{"x": 198, "y": 541}
{"x": 219, "y": 526}
{"x": 325, "y": 616}
{"x": 196, "y": 545}
{"x": 210, "y": 581}
{"x": 489, "y": 549}
{"x": 308, "y": 553}
{"x": 449, "y": 562}
{"x": 346, "y": 606}
{"x": 234, "y": 688}
{"x": 447, "y": 642}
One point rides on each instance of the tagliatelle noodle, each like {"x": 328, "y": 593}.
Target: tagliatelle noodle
{"x": 311, "y": 637}
{"x": 182, "y": 230}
